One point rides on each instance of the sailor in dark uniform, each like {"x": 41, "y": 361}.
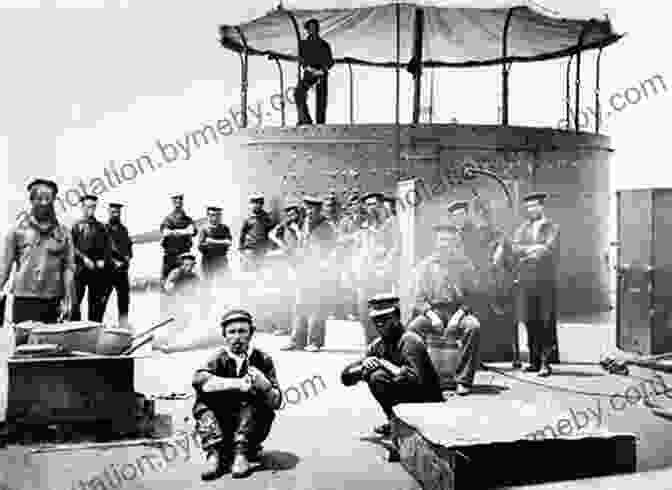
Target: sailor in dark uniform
{"x": 214, "y": 241}
{"x": 117, "y": 271}
{"x": 237, "y": 394}
{"x": 316, "y": 60}
{"x": 396, "y": 365}
{"x": 536, "y": 243}
{"x": 178, "y": 230}
{"x": 93, "y": 253}
{"x": 254, "y": 239}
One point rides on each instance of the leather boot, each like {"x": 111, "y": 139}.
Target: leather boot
{"x": 218, "y": 467}
{"x": 241, "y": 466}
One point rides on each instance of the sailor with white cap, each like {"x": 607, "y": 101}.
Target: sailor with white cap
{"x": 536, "y": 244}
{"x": 254, "y": 234}
{"x": 178, "y": 230}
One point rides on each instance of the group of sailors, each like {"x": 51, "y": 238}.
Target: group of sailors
{"x": 326, "y": 258}
{"x": 54, "y": 266}
{"x": 237, "y": 390}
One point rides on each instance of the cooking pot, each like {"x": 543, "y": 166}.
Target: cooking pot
{"x": 72, "y": 336}
{"x": 117, "y": 341}
{"x": 113, "y": 341}
{"x": 22, "y": 331}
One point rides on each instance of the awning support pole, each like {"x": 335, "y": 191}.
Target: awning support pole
{"x": 282, "y": 90}
{"x": 298, "y": 41}
{"x": 244, "y": 63}
{"x": 352, "y": 94}
{"x": 418, "y": 31}
{"x": 505, "y": 69}
{"x": 568, "y": 101}
{"x": 598, "y": 116}
{"x": 397, "y": 128}
{"x": 577, "y": 95}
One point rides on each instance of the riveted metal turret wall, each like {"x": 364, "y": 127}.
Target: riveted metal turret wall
{"x": 283, "y": 163}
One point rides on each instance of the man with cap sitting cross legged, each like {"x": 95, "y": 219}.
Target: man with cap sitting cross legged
{"x": 396, "y": 366}
{"x": 443, "y": 287}
{"x": 237, "y": 394}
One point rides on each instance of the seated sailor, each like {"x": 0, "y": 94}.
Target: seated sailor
{"x": 443, "y": 283}
{"x": 396, "y": 367}
{"x": 237, "y": 393}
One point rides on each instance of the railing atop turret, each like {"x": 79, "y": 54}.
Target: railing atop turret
{"x": 592, "y": 34}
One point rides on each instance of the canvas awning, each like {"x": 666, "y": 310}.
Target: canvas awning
{"x": 455, "y": 34}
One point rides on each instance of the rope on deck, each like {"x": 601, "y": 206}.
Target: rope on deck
{"x": 552, "y": 387}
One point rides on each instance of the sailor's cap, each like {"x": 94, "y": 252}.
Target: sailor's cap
{"x": 312, "y": 200}
{"x": 257, "y": 197}
{"x": 383, "y": 304}
{"x": 88, "y": 197}
{"x": 235, "y": 316}
{"x": 40, "y": 181}
{"x": 539, "y": 197}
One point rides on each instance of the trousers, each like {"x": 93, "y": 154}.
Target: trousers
{"x": 95, "y": 282}
{"x": 117, "y": 280}
{"x": 232, "y": 422}
{"x": 307, "y": 81}
{"x": 388, "y": 392}
{"x": 469, "y": 334}
{"x": 540, "y": 323}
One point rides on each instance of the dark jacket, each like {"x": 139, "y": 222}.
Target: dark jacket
{"x": 254, "y": 232}
{"x": 90, "y": 238}
{"x": 176, "y": 245}
{"x": 533, "y": 272}
{"x": 220, "y": 364}
{"x": 316, "y": 53}
{"x": 218, "y": 232}
{"x": 121, "y": 244}
{"x": 410, "y": 353}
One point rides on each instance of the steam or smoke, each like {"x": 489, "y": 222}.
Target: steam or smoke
{"x": 269, "y": 293}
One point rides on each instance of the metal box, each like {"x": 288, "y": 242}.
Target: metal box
{"x": 644, "y": 271}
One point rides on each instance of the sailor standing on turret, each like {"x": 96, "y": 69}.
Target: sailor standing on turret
{"x": 316, "y": 59}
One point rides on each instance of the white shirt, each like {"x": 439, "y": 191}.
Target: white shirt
{"x": 239, "y": 359}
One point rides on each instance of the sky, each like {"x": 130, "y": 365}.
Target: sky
{"x": 86, "y": 82}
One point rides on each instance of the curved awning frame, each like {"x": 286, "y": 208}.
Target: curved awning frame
{"x": 242, "y": 47}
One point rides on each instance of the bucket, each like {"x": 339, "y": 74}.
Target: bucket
{"x": 445, "y": 355}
